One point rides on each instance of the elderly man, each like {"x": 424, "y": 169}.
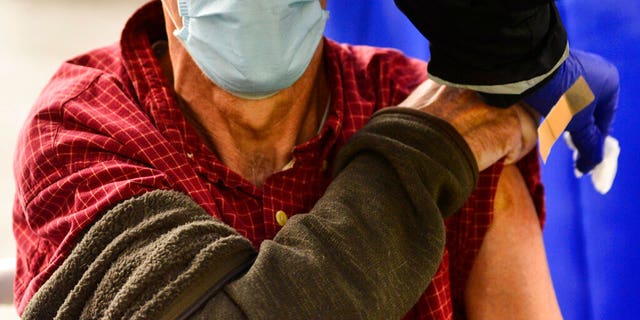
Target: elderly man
{"x": 185, "y": 172}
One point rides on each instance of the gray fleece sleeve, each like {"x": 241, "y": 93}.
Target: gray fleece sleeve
{"x": 368, "y": 249}
{"x": 140, "y": 257}
{"x": 372, "y": 243}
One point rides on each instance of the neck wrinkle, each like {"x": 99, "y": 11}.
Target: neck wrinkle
{"x": 254, "y": 138}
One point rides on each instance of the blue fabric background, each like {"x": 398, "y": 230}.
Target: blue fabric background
{"x": 593, "y": 241}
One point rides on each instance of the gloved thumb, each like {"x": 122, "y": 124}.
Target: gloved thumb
{"x": 589, "y": 142}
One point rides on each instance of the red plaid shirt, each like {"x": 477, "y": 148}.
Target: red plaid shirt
{"x": 107, "y": 128}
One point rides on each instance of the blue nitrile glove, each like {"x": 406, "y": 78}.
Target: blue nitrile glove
{"x": 589, "y": 127}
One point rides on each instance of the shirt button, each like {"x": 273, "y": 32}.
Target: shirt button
{"x": 281, "y": 218}
{"x": 325, "y": 165}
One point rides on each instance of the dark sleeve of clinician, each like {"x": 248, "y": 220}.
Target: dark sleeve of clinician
{"x": 368, "y": 248}
{"x": 503, "y": 49}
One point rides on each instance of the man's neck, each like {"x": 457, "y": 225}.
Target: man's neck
{"x": 254, "y": 138}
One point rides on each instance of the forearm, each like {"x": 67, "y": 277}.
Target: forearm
{"x": 137, "y": 259}
{"x": 367, "y": 249}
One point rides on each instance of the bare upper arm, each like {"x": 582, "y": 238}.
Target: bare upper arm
{"x": 510, "y": 278}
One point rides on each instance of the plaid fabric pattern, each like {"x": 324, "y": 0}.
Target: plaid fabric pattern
{"x": 107, "y": 128}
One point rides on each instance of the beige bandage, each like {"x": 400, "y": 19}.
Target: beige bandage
{"x": 573, "y": 101}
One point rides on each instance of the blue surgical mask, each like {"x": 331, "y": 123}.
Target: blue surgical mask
{"x": 252, "y": 48}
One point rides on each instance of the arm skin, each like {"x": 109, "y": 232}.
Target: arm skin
{"x": 510, "y": 278}
{"x": 368, "y": 249}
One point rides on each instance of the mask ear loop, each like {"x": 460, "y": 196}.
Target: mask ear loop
{"x": 173, "y": 20}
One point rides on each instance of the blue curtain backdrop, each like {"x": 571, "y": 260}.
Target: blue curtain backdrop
{"x": 593, "y": 241}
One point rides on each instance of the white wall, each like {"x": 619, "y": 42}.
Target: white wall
{"x": 35, "y": 37}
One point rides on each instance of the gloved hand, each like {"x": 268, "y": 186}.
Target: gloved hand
{"x": 589, "y": 127}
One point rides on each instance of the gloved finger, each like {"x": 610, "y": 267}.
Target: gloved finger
{"x": 569, "y": 142}
{"x": 589, "y": 143}
{"x": 607, "y": 101}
